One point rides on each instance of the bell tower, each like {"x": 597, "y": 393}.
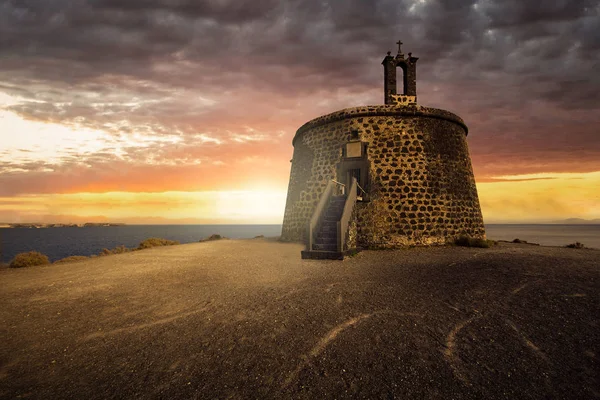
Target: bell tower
{"x": 409, "y": 81}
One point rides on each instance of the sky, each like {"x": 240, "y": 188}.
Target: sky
{"x": 183, "y": 111}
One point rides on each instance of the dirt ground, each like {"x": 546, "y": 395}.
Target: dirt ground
{"x": 249, "y": 319}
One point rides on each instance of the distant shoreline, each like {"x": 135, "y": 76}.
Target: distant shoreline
{"x": 37, "y": 225}
{"x": 571, "y": 222}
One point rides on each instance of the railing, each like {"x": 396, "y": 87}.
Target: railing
{"x": 342, "y": 225}
{"x": 342, "y": 188}
{"x": 312, "y": 225}
{"x": 362, "y": 190}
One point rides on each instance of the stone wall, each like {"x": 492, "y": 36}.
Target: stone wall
{"x": 421, "y": 185}
{"x": 403, "y": 100}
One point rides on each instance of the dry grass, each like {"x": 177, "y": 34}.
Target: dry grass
{"x": 70, "y": 259}
{"x": 214, "y": 236}
{"x": 29, "y": 259}
{"x": 576, "y": 245}
{"x": 33, "y": 258}
{"x": 154, "y": 242}
{"x": 117, "y": 250}
{"x": 520, "y": 241}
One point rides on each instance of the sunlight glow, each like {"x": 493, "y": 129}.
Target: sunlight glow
{"x": 27, "y": 141}
{"x": 541, "y": 197}
{"x": 258, "y": 207}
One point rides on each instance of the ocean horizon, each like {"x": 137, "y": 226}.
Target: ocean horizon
{"x": 63, "y": 242}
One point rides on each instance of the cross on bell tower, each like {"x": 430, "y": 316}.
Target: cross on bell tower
{"x": 399, "y": 43}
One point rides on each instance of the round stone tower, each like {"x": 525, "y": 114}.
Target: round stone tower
{"x": 411, "y": 166}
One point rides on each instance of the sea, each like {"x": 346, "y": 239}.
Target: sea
{"x": 58, "y": 243}
{"x": 63, "y": 242}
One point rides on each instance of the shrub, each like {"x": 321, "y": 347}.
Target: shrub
{"x": 105, "y": 252}
{"x": 467, "y": 241}
{"x": 154, "y": 242}
{"x": 29, "y": 259}
{"x": 576, "y": 245}
{"x": 120, "y": 249}
{"x": 520, "y": 241}
{"x": 70, "y": 259}
{"x": 214, "y": 236}
{"x": 117, "y": 250}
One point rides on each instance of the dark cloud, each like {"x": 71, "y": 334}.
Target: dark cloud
{"x": 511, "y": 13}
{"x": 520, "y": 72}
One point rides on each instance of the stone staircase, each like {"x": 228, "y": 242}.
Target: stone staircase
{"x": 326, "y": 240}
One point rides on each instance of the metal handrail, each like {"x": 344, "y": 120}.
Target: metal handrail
{"x": 361, "y": 189}
{"x": 344, "y": 186}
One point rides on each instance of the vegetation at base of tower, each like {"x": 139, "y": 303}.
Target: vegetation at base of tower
{"x": 576, "y": 245}
{"x": 70, "y": 259}
{"x": 352, "y": 253}
{"x": 29, "y": 259}
{"x": 467, "y": 241}
{"x": 154, "y": 242}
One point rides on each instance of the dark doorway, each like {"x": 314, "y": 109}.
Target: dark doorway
{"x": 354, "y": 164}
{"x": 354, "y": 173}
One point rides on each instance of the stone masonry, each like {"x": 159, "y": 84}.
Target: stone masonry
{"x": 419, "y": 182}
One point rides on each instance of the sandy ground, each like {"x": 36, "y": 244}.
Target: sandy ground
{"x": 250, "y": 319}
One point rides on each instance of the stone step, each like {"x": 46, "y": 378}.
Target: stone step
{"x": 321, "y": 255}
{"x": 330, "y": 223}
{"x": 328, "y": 228}
{"x": 326, "y": 236}
{"x": 332, "y": 241}
{"x": 325, "y": 247}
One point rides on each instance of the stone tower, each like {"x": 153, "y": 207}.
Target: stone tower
{"x": 382, "y": 176}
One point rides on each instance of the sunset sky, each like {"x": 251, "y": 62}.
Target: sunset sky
{"x": 183, "y": 111}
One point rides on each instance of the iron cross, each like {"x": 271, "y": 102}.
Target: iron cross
{"x": 399, "y": 43}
